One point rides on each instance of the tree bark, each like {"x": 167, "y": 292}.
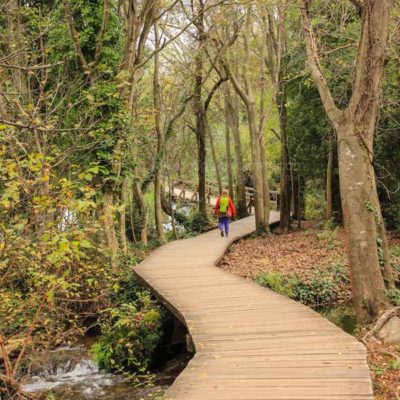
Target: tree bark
{"x": 234, "y": 117}
{"x": 174, "y": 230}
{"x": 246, "y": 94}
{"x": 296, "y": 195}
{"x": 386, "y": 265}
{"x": 109, "y": 228}
{"x": 214, "y": 157}
{"x": 355, "y": 127}
{"x": 160, "y": 139}
{"x": 266, "y": 195}
{"x": 261, "y": 126}
{"x": 257, "y": 166}
{"x": 329, "y": 173}
{"x": 199, "y": 110}
{"x": 141, "y": 201}
{"x": 122, "y": 216}
{"x": 356, "y": 180}
{"x": 228, "y": 127}
{"x": 286, "y": 185}
{"x": 274, "y": 27}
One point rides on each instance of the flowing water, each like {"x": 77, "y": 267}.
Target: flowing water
{"x": 184, "y": 209}
{"x": 71, "y": 374}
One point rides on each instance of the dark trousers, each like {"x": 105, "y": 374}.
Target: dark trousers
{"x": 223, "y": 222}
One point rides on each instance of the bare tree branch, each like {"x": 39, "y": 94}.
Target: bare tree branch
{"x": 315, "y": 65}
{"x": 104, "y": 23}
{"x": 75, "y": 36}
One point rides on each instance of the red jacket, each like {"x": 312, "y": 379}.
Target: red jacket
{"x": 231, "y": 212}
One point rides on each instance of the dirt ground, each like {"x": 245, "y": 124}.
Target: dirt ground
{"x": 302, "y": 252}
{"x": 294, "y": 252}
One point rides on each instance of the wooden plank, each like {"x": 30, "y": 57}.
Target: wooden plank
{"x": 251, "y": 343}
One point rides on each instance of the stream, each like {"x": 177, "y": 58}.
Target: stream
{"x": 70, "y": 373}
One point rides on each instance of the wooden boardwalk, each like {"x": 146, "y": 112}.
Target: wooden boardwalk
{"x": 251, "y": 343}
{"x": 189, "y": 194}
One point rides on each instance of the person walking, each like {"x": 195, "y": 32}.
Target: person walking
{"x": 224, "y": 209}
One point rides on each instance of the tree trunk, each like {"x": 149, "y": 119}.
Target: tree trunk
{"x": 141, "y": 201}
{"x": 296, "y": 195}
{"x": 109, "y": 228}
{"x": 160, "y": 140}
{"x": 355, "y": 127}
{"x": 132, "y": 220}
{"x": 386, "y": 265}
{"x": 122, "y": 216}
{"x": 357, "y": 179}
{"x": 175, "y": 232}
{"x": 266, "y": 196}
{"x": 285, "y": 186}
{"x": 215, "y": 158}
{"x": 228, "y": 125}
{"x": 158, "y": 208}
{"x": 261, "y": 125}
{"x": 329, "y": 171}
{"x": 257, "y": 168}
{"x": 200, "y": 112}
{"x": 255, "y": 128}
{"x": 234, "y": 112}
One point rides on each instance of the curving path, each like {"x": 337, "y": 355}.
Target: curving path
{"x": 251, "y": 343}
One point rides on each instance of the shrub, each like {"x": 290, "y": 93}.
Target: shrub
{"x": 130, "y": 336}
{"x": 315, "y": 290}
{"x": 320, "y": 290}
{"x": 327, "y": 237}
{"x": 197, "y": 222}
{"x": 314, "y": 205}
{"x": 395, "y": 259}
{"x": 392, "y": 217}
{"x": 394, "y": 296}
{"x": 276, "y": 282}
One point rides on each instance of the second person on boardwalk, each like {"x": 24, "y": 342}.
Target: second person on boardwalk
{"x": 224, "y": 209}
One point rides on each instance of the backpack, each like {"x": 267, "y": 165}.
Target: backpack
{"x": 223, "y": 204}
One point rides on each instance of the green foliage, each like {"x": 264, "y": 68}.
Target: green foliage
{"x": 395, "y": 259}
{"x": 314, "y": 204}
{"x": 327, "y": 237}
{"x": 318, "y": 289}
{"x": 130, "y": 336}
{"x": 276, "y": 282}
{"x": 48, "y": 258}
{"x": 393, "y": 296}
{"x": 197, "y": 223}
{"x": 378, "y": 371}
{"x": 158, "y": 395}
{"x": 394, "y": 365}
{"x": 395, "y": 251}
{"x": 125, "y": 288}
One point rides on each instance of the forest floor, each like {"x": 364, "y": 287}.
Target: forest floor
{"x": 308, "y": 254}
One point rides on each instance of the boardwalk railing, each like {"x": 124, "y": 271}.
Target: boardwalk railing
{"x": 212, "y": 189}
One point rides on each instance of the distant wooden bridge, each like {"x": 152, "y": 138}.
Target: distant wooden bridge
{"x": 251, "y": 343}
{"x": 188, "y": 190}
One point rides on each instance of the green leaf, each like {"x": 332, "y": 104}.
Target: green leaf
{"x": 85, "y": 244}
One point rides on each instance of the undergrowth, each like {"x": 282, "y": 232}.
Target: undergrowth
{"x": 320, "y": 288}
{"x": 131, "y": 330}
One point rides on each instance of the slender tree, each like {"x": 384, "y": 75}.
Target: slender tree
{"x": 255, "y": 120}
{"x": 199, "y": 111}
{"x": 160, "y": 137}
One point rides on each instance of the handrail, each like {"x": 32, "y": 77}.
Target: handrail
{"x": 213, "y": 183}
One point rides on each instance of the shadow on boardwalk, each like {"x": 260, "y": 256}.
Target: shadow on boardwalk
{"x": 251, "y": 343}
